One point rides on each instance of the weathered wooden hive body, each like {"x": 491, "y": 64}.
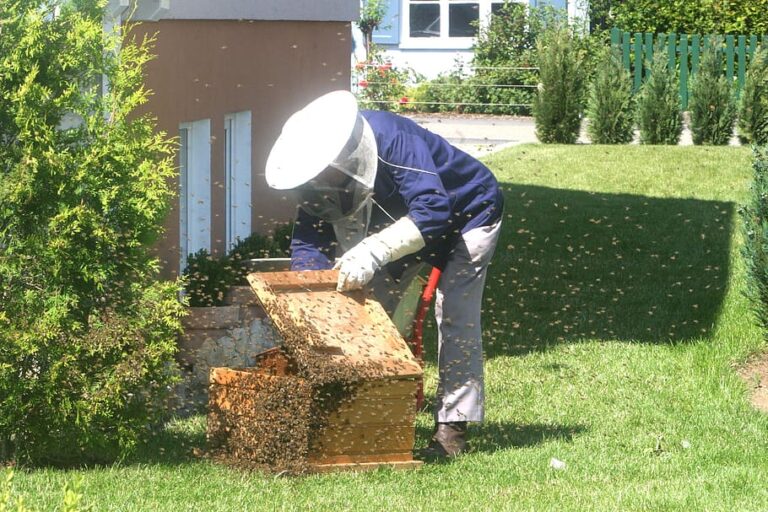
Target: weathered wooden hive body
{"x": 339, "y": 393}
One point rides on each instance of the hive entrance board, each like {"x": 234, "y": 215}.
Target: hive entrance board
{"x": 346, "y": 330}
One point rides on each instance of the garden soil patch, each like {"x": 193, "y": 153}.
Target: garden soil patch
{"x": 755, "y": 374}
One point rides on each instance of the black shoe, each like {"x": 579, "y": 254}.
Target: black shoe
{"x": 448, "y": 442}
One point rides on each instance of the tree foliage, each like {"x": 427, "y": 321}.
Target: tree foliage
{"x": 87, "y": 333}
{"x": 682, "y": 16}
{"x": 372, "y": 14}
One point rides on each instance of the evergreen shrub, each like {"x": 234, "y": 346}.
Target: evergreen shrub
{"x": 87, "y": 330}
{"x": 562, "y": 81}
{"x": 658, "y": 104}
{"x": 610, "y": 106}
{"x": 711, "y": 105}
{"x": 755, "y": 226}
{"x": 752, "y": 122}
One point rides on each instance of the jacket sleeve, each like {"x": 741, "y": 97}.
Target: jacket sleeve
{"x": 312, "y": 244}
{"x": 416, "y": 179}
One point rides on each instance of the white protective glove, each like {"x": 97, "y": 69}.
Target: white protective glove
{"x": 358, "y": 265}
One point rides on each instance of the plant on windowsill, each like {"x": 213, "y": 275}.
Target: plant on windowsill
{"x": 208, "y": 278}
{"x": 256, "y": 245}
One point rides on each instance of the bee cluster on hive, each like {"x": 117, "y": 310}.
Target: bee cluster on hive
{"x": 339, "y": 391}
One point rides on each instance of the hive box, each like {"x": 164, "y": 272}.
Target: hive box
{"x": 338, "y": 394}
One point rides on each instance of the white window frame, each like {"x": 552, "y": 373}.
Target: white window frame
{"x": 443, "y": 41}
{"x": 194, "y": 198}
{"x": 238, "y": 175}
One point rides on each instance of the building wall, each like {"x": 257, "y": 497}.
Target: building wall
{"x": 207, "y": 69}
{"x": 325, "y": 10}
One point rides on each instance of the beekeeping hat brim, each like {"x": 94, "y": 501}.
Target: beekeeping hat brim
{"x": 311, "y": 139}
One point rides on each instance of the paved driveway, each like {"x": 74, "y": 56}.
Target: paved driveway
{"x": 480, "y": 135}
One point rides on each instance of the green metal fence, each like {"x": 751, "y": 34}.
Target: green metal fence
{"x": 684, "y": 53}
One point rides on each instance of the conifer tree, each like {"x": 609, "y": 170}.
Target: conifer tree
{"x": 610, "y": 107}
{"x": 658, "y": 105}
{"x": 712, "y": 107}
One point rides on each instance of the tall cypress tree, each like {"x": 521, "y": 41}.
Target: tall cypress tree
{"x": 610, "y": 106}
{"x": 658, "y": 105}
{"x": 753, "y": 105}
{"x": 712, "y": 107}
{"x": 562, "y": 82}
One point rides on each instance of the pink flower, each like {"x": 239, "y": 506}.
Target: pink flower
{"x": 404, "y": 100}
{"x": 363, "y": 83}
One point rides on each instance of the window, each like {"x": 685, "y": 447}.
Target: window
{"x": 195, "y": 188}
{"x": 454, "y": 23}
{"x": 237, "y": 164}
{"x": 462, "y": 19}
{"x": 425, "y": 18}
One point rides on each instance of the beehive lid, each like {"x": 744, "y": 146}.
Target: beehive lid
{"x": 324, "y": 328}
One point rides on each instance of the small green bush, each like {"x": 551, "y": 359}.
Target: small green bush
{"x": 753, "y": 104}
{"x": 208, "y": 278}
{"x": 610, "y": 106}
{"x": 712, "y": 107}
{"x": 562, "y": 82}
{"x": 658, "y": 104}
{"x": 444, "y": 93}
{"x": 257, "y": 245}
{"x": 755, "y": 226}
{"x": 87, "y": 331}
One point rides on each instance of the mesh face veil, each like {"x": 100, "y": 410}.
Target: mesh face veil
{"x": 344, "y": 187}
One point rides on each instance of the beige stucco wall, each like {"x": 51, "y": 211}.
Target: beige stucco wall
{"x": 207, "y": 69}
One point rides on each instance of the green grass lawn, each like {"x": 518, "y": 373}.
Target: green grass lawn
{"x": 614, "y": 316}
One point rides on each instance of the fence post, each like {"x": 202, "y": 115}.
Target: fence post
{"x": 742, "y": 59}
{"x": 625, "y": 49}
{"x": 615, "y": 36}
{"x": 672, "y": 51}
{"x": 695, "y": 52}
{"x": 648, "y": 53}
{"x": 684, "y": 71}
{"x": 729, "y": 57}
{"x": 638, "y": 60}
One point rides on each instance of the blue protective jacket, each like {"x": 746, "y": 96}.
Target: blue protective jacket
{"x": 443, "y": 190}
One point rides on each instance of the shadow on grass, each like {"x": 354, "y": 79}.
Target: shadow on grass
{"x": 489, "y": 437}
{"x": 174, "y": 443}
{"x": 576, "y": 265}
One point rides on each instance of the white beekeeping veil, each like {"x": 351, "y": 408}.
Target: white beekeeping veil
{"x": 326, "y": 153}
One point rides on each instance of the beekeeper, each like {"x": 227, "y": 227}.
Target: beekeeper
{"x": 379, "y": 195}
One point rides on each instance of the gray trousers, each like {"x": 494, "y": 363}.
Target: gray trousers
{"x": 458, "y": 304}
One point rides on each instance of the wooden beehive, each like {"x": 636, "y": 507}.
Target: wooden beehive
{"x": 344, "y": 382}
